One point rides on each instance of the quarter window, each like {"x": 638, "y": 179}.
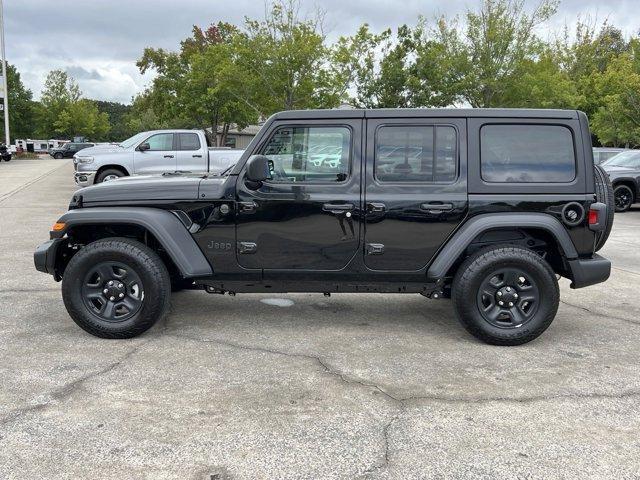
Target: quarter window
{"x": 161, "y": 141}
{"x": 425, "y": 153}
{"x": 189, "y": 141}
{"x": 527, "y": 154}
{"x": 309, "y": 154}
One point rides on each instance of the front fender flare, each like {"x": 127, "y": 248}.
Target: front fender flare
{"x": 461, "y": 239}
{"x": 163, "y": 225}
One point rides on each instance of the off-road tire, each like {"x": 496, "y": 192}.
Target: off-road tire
{"x": 110, "y": 171}
{"x": 143, "y": 261}
{"x": 604, "y": 194}
{"x": 57, "y": 156}
{"x": 478, "y": 267}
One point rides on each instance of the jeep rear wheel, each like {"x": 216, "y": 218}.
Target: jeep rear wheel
{"x": 505, "y": 295}
{"x": 116, "y": 288}
{"x": 57, "y": 156}
{"x": 623, "y": 197}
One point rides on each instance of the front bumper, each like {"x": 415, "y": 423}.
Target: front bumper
{"x": 84, "y": 179}
{"x": 589, "y": 271}
{"x": 45, "y": 256}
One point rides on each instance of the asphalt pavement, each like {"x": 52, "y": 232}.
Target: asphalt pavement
{"x": 303, "y": 386}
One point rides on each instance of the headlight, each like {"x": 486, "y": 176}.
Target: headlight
{"x": 83, "y": 159}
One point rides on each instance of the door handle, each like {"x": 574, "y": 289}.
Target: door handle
{"x": 168, "y": 156}
{"x": 337, "y": 207}
{"x": 437, "y": 207}
{"x": 196, "y": 156}
{"x": 375, "y": 207}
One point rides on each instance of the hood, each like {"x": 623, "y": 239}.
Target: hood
{"x": 616, "y": 170}
{"x": 98, "y": 149}
{"x": 143, "y": 188}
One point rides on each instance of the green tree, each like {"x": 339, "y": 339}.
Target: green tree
{"x": 482, "y": 57}
{"x": 616, "y": 121}
{"x": 116, "y": 112}
{"x": 60, "y": 90}
{"x": 21, "y": 107}
{"x": 82, "y": 118}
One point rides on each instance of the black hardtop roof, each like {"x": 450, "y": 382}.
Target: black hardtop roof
{"x": 425, "y": 113}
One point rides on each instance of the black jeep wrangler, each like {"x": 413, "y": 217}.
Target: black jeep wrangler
{"x": 487, "y": 207}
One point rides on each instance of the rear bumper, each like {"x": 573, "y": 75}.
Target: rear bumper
{"x": 589, "y": 271}
{"x": 44, "y": 257}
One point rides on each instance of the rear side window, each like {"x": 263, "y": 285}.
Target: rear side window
{"x": 527, "y": 154}
{"x": 189, "y": 141}
{"x": 425, "y": 153}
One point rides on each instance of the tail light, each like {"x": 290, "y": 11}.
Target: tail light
{"x": 597, "y": 216}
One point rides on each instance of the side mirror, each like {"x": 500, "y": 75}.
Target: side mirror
{"x": 144, "y": 146}
{"x": 258, "y": 168}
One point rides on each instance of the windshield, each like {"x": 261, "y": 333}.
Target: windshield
{"x": 625, "y": 159}
{"x": 131, "y": 141}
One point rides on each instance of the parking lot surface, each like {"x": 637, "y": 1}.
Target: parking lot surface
{"x": 302, "y": 386}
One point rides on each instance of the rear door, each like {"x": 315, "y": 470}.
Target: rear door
{"x": 160, "y": 158}
{"x": 190, "y": 153}
{"x": 415, "y": 189}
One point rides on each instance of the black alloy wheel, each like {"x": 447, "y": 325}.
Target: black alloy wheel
{"x": 623, "y": 198}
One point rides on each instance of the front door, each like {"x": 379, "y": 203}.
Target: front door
{"x": 305, "y": 217}
{"x": 416, "y": 191}
{"x": 160, "y": 158}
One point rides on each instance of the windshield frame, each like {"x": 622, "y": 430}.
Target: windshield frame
{"x": 131, "y": 141}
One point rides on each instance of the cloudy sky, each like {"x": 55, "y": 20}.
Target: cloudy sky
{"x": 98, "y": 41}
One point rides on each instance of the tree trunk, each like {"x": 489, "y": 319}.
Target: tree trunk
{"x": 223, "y": 136}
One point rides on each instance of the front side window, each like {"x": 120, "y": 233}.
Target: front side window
{"x": 527, "y": 154}
{"x": 426, "y": 153}
{"x": 189, "y": 141}
{"x": 160, "y": 142}
{"x": 309, "y": 154}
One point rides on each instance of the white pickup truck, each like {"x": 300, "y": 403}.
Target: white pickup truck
{"x": 154, "y": 152}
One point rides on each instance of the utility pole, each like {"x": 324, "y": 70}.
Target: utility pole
{"x": 4, "y": 80}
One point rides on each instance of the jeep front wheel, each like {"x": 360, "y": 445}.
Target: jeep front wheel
{"x": 116, "y": 288}
{"x": 505, "y": 295}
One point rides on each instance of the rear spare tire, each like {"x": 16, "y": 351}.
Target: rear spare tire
{"x": 604, "y": 194}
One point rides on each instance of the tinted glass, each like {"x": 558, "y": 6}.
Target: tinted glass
{"x": 189, "y": 141}
{"x": 162, "y": 141}
{"x": 527, "y": 153}
{"x": 416, "y": 154}
{"x": 309, "y": 154}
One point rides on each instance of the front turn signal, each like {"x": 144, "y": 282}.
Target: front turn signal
{"x": 58, "y": 226}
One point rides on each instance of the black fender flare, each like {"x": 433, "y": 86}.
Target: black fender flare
{"x": 461, "y": 239}
{"x": 162, "y": 224}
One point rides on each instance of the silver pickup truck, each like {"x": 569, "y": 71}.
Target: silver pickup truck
{"x": 154, "y": 152}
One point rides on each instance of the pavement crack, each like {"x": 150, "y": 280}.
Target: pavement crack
{"x": 593, "y": 312}
{"x": 65, "y": 391}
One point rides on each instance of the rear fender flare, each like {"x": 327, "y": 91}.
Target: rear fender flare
{"x": 462, "y": 238}
{"x": 163, "y": 225}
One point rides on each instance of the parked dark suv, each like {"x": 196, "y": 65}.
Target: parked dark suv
{"x": 68, "y": 150}
{"x": 483, "y": 206}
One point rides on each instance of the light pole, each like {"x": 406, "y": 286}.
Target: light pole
{"x": 4, "y": 80}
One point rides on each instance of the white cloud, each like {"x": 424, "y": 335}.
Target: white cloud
{"x": 100, "y": 41}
